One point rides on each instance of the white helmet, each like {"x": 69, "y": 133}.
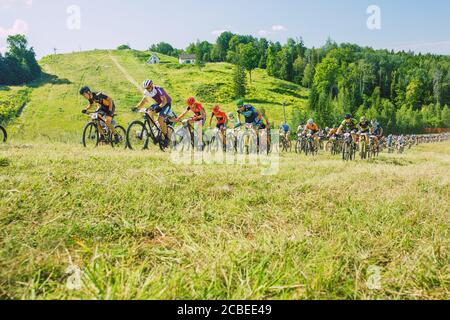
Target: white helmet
{"x": 147, "y": 83}
{"x": 310, "y": 121}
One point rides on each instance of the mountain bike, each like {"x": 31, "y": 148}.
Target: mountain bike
{"x": 3, "y": 134}
{"x": 285, "y": 144}
{"x": 312, "y": 147}
{"x": 232, "y": 140}
{"x": 334, "y": 145}
{"x": 300, "y": 145}
{"x": 186, "y": 138}
{"x": 248, "y": 141}
{"x": 400, "y": 148}
{"x": 374, "y": 147}
{"x": 363, "y": 145}
{"x": 349, "y": 148}
{"x": 96, "y": 133}
{"x": 215, "y": 142}
{"x": 140, "y": 133}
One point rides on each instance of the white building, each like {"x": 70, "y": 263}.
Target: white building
{"x": 154, "y": 59}
{"x": 187, "y": 59}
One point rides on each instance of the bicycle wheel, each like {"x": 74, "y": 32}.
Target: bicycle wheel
{"x": 120, "y": 139}
{"x": 137, "y": 136}
{"x": 91, "y": 137}
{"x": 3, "y": 134}
{"x": 362, "y": 150}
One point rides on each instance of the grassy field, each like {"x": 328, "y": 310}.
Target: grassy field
{"x": 54, "y": 110}
{"x": 115, "y": 224}
{"x": 320, "y": 229}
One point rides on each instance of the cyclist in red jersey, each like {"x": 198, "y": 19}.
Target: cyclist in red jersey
{"x": 199, "y": 117}
{"x": 197, "y": 109}
{"x": 222, "y": 122}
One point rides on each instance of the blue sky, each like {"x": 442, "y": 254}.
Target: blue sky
{"x": 405, "y": 25}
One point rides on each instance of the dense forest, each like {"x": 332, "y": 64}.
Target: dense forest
{"x": 406, "y": 92}
{"x": 18, "y": 65}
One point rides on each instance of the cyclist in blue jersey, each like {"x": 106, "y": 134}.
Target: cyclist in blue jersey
{"x": 285, "y": 130}
{"x": 252, "y": 115}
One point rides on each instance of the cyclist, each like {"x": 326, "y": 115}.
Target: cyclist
{"x": 401, "y": 142}
{"x": 349, "y": 125}
{"x": 377, "y": 131}
{"x": 285, "y": 130}
{"x": 301, "y": 128}
{"x": 222, "y": 122}
{"x": 313, "y": 129}
{"x": 390, "y": 142}
{"x": 197, "y": 109}
{"x": 252, "y": 116}
{"x": 233, "y": 120}
{"x": 106, "y": 108}
{"x": 162, "y": 106}
{"x": 198, "y": 118}
{"x": 364, "y": 127}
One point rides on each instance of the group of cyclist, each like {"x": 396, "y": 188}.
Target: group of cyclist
{"x": 161, "y": 106}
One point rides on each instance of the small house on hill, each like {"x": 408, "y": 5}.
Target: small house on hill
{"x": 154, "y": 59}
{"x": 187, "y": 59}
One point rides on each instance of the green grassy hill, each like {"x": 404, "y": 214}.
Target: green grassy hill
{"x": 53, "y": 111}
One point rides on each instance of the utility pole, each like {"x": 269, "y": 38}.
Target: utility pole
{"x": 284, "y": 110}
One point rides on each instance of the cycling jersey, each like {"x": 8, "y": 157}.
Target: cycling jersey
{"x": 221, "y": 117}
{"x": 350, "y": 126}
{"x": 235, "y": 123}
{"x": 196, "y": 108}
{"x": 364, "y": 127}
{"x": 285, "y": 128}
{"x": 312, "y": 127}
{"x": 250, "y": 114}
{"x": 157, "y": 94}
{"x": 377, "y": 130}
{"x": 102, "y": 100}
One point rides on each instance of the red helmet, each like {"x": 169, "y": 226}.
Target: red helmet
{"x": 191, "y": 101}
{"x": 216, "y": 109}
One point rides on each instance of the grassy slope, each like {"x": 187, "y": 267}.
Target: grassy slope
{"x": 54, "y": 110}
{"x": 168, "y": 231}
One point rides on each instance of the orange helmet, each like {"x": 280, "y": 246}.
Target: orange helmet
{"x": 191, "y": 101}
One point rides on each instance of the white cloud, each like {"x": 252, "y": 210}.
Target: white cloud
{"x": 4, "y": 4}
{"x": 2, "y": 50}
{"x": 278, "y": 28}
{"x": 275, "y": 28}
{"x": 19, "y": 27}
{"x": 219, "y": 32}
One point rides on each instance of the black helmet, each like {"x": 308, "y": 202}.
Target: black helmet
{"x": 348, "y": 116}
{"x": 85, "y": 90}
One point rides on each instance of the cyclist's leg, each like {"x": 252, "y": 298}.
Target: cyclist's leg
{"x": 163, "y": 115}
{"x": 108, "y": 121}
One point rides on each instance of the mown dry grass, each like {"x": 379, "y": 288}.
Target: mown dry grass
{"x": 313, "y": 231}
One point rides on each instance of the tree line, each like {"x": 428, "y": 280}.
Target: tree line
{"x": 18, "y": 66}
{"x": 403, "y": 90}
